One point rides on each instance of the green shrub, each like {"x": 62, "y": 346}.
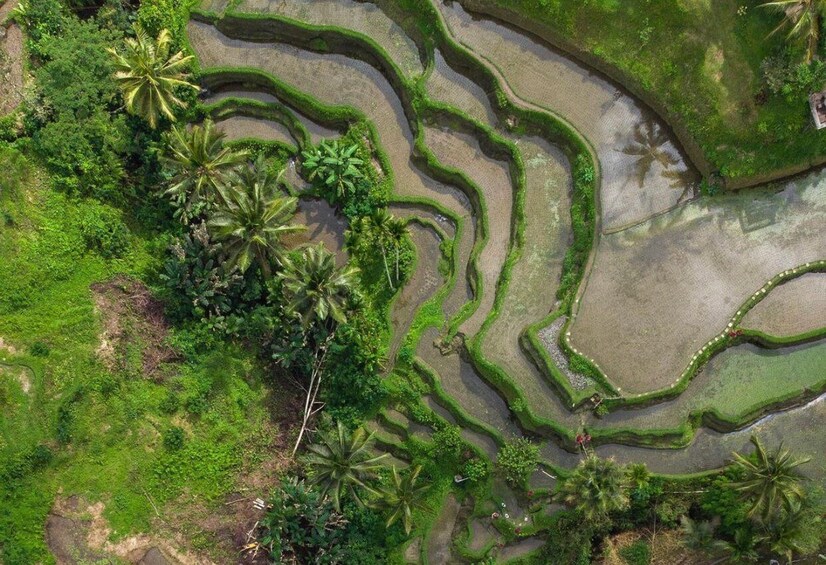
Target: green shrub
{"x": 638, "y": 553}
{"x": 39, "y": 349}
{"x": 103, "y": 231}
{"x": 517, "y": 459}
{"x": 301, "y": 526}
{"x": 173, "y": 438}
{"x": 198, "y": 284}
{"x": 447, "y": 443}
{"x": 475, "y": 469}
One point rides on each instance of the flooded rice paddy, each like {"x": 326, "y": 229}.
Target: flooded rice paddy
{"x": 669, "y": 270}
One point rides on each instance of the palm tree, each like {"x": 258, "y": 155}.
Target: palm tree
{"x": 742, "y": 549}
{"x": 316, "y": 288}
{"x": 335, "y": 165}
{"x": 317, "y": 291}
{"x": 803, "y": 17}
{"x": 699, "y": 536}
{"x": 793, "y": 530}
{"x": 253, "y": 218}
{"x": 148, "y": 74}
{"x": 200, "y": 164}
{"x": 397, "y": 230}
{"x": 341, "y": 461}
{"x": 403, "y": 497}
{"x": 595, "y": 489}
{"x": 770, "y": 480}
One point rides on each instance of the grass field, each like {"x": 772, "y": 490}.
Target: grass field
{"x": 76, "y": 422}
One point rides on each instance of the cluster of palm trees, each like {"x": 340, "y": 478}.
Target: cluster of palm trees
{"x": 341, "y": 463}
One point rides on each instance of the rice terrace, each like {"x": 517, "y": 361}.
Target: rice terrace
{"x": 412, "y": 281}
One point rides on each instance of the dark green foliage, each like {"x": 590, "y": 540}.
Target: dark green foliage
{"x": 367, "y": 540}
{"x": 41, "y": 19}
{"x": 104, "y": 232}
{"x": 301, "y": 526}
{"x": 447, "y": 443}
{"x": 582, "y": 223}
{"x": 39, "y": 349}
{"x": 25, "y": 463}
{"x": 720, "y": 500}
{"x": 198, "y": 283}
{"x": 173, "y": 438}
{"x": 638, "y": 553}
{"x": 76, "y": 131}
{"x": 517, "y": 459}
{"x": 569, "y": 541}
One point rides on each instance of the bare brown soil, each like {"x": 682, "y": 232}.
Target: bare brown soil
{"x": 77, "y": 532}
{"x": 131, "y": 317}
{"x": 11, "y": 60}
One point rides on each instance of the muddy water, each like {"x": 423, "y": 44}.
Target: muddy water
{"x": 317, "y": 131}
{"x": 531, "y": 293}
{"x": 658, "y": 292}
{"x": 323, "y": 226}
{"x": 643, "y": 171}
{"x": 793, "y": 308}
{"x": 244, "y": 127}
{"x": 363, "y": 17}
{"x": 421, "y": 286}
{"x": 460, "y": 380}
{"x": 492, "y": 177}
{"x": 800, "y": 430}
{"x": 733, "y": 383}
{"x": 450, "y": 87}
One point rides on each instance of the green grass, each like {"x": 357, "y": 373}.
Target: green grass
{"x": 103, "y": 428}
{"x": 701, "y": 61}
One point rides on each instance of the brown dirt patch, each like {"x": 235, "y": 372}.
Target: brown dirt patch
{"x": 8, "y": 347}
{"x": 666, "y": 549}
{"x": 11, "y": 60}
{"x": 77, "y": 532}
{"x": 131, "y": 318}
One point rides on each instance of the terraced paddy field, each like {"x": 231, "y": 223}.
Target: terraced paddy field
{"x": 564, "y": 257}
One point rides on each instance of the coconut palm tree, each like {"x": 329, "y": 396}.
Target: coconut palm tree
{"x": 317, "y": 290}
{"x": 200, "y": 164}
{"x": 253, "y": 218}
{"x": 148, "y": 74}
{"x": 403, "y": 497}
{"x": 341, "y": 461}
{"x": 771, "y": 480}
{"x": 742, "y": 549}
{"x": 699, "y": 536}
{"x": 334, "y": 165}
{"x": 595, "y": 489}
{"x": 397, "y": 230}
{"x": 803, "y": 17}
{"x": 793, "y": 530}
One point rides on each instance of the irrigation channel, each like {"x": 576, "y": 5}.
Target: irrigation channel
{"x": 701, "y": 319}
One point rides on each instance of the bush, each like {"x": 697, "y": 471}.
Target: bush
{"x": 173, "y": 438}
{"x": 569, "y": 541}
{"x": 447, "y": 443}
{"x": 39, "y": 349}
{"x": 103, "y": 231}
{"x": 517, "y": 460}
{"x": 77, "y": 129}
{"x": 638, "y": 553}
{"x": 302, "y": 527}
{"x": 198, "y": 284}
